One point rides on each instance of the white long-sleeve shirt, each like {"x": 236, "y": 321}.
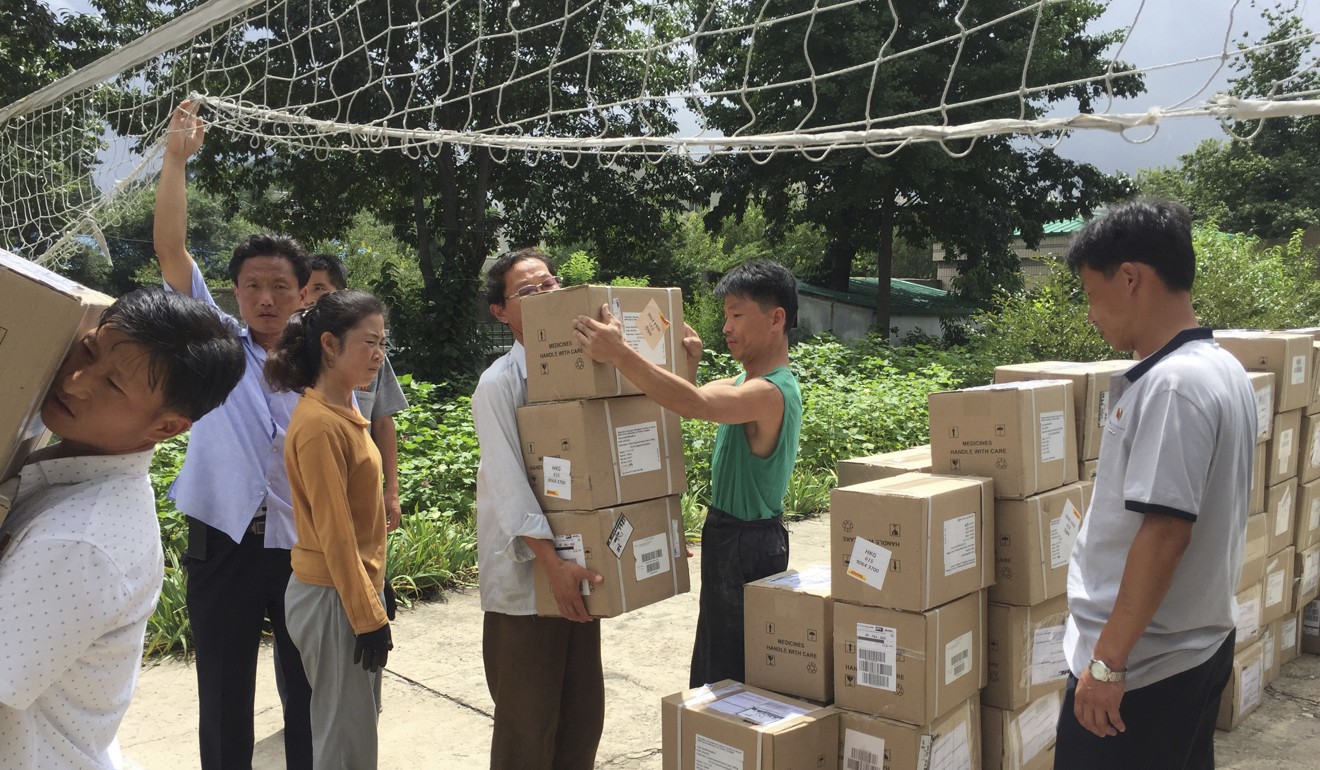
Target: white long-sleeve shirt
{"x": 507, "y": 509}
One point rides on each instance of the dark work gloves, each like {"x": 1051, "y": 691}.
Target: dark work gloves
{"x": 391, "y": 603}
{"x": 373, "y": 648}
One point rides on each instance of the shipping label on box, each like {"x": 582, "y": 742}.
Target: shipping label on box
{"x": 42, "y": 314}
{"x": 1091, "y": 402}
{"x": 885, "y": 465}
{"x": 1243, "y": 693}
{"x": 1022, "y": 739}
{"x": 1306, "y": 578}
{"x": 557, "y": 367}
{"x": 1287, "y": 355}
{"x": 1290, "y": 637}
{"x": 909, "y": 666}
{"x": 1256, "y": 501}
{"x": 1024, "y": 653}
{"x": 1308, "y": 462}
{"x": 733, "y": 725}
{"x": 1254, "y": 551}
{"x": 1248, "y": 617}
{"x": 911, "y": 542}
{"x": 638, "y": 549}
{"x": 788, "y": 633}
{"x": 1283, "y": 453}
{"x": 1269, "y": 652}
{"x": 869, "y": 742}
{"x": 1277, "y": 588}
{"x": 1280, "y": 511}
{"x": 1306, "y": 529}
{"x": 1033, "y": 542}
{"x": 587, "y": 455}
{"x": 1262, "y": 384}
{"x": 1021, "y": 434}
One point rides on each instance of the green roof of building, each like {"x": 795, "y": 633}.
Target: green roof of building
{"x": 906, "y": 297}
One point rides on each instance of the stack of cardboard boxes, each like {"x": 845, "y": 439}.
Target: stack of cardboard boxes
{"x": 42, "y": 314}
{"x": 1269, "y": 592}
{"x": 606, "y": 463}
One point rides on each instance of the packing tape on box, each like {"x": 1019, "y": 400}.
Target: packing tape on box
{"x": 614, "y": 449}
{"x": 669, "y": 456}
{"x": 669, "y": 531}
{"x": 1036, "y": 443}
{"x": 1043, "y": 541}
{"x": 1026, "y": 662}
{"x": 925, "y": 586}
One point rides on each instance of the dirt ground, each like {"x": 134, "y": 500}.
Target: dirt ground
{"x": 437, "y": 709}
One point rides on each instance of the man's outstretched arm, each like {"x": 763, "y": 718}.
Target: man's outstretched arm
{"x": 171, "y": 222}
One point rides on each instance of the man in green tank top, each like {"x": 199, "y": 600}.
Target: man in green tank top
{"x": 760, "y": 417}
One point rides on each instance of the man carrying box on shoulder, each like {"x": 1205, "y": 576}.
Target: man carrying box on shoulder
{"x": 1150, "y": 633}
{"x": 760, "y": 417}
{"x": 80, "y": 555}
{"x": 544, "y": 674}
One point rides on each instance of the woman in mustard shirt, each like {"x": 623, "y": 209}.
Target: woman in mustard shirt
{"x": 334, "y": 605}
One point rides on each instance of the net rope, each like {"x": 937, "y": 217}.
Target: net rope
{"x": 329, "y": 76}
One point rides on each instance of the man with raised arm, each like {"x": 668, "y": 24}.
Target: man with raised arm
{"x": 760, "y": 417}
{"x": 544, "y": 674}
{"x": 233, "y": 486}
{"x": 1150, "y": 630}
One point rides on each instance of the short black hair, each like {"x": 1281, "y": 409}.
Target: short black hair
{"x": 1153, "y": 232}
{"x": 504, "y": 263}
{"x": 332, "y": 266}
{"x": 295, "y": 363}
{"x": 195, "y": 359}
{"x": 768, "y": 284}
{"x": 269, "y": 245}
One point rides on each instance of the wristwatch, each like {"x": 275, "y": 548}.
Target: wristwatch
{"x": 1103, "y": 673}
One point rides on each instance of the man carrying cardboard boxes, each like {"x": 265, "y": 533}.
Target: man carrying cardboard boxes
{"x": 760, "y": 417}
{"x": 80, "y": 554}
{"x": 544, "y": 673}
{"x": 1150, "y": 635}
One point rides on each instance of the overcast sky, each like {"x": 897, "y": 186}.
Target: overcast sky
{"x": 1166, "y": 31}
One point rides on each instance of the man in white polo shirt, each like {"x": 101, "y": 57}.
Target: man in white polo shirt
{"x": 1150, "y": 585}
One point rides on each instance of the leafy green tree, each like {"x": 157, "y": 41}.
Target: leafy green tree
{"x": 975, "y": 203}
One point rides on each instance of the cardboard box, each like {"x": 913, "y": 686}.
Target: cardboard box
{"x": 1024, "y": 653}
{"x": 1287, "y": 355}
{"x": 1284, "y": 449}
{"x": 884, "y": 465}
{"x": 868, "y": 742}
{"x": 42, "y": 314}
{"x": 1086, "y": 471}
{"x": 638, "y": 549}
{"x": 1255, "y": 549}
{"x": 788, "y": 633}
{"x": 587, "y": 455}
{"x": 1308, "y": 464}
{"x": 1256, "y": 501}
{"x": 1021, "y": 434}
{"x": 1311, "y": 628}
{"x": 1277, "y": 590}
{"x": 1314, "y": 406}
{"x": 912, "y": 542}
{"x": 1290, "y": 637}
{"x": 1306, "y": 578}
{"x": 913, "y": 666}
{"x": 733, "y": 725}
{"x": 558, "y": 369}
{"x": 1090, "y": 393}
{"x": 1306, "y": 530}
{"x": 1280, "y": 511}
{"x": 1033, "y": 543}
{"x": 1262, "y": 384}
{"x": 1243, "y": 693}
{"x": 1248, "y": 620}
{"x": 1022, "y": 739}
{"x": 1269, "y": 652}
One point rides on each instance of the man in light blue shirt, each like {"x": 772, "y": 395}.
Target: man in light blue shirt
{"x": 233, "y": 486}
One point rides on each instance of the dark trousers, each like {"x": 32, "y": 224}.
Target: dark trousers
{"x": 545, "y": 677}
{"x": 1170, "y": 724}
{"x": 232, "y": 588}
{"x": 734, "y": 552}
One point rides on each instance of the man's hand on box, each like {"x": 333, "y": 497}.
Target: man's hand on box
{"x": 693, "y": 346}
{"x": 601, "y": 340}
{"x": 566, "y": 581}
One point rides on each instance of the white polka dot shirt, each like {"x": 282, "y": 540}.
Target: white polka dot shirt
{"x": 80, "y": 571}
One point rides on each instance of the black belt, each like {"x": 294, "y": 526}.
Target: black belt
{"x": 718, "y": 518}
{"x": 258, "y": 524}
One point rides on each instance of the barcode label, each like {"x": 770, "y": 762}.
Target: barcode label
{"x": 957, "y": 658}
{"x": 862, "y": 751}
{"x": 652, "y": 555}
{"x": 959, "y": 663}
{"x": 877, "y": 652}
{"x": 861, "y": 759}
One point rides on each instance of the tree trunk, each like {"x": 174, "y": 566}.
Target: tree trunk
{"x": 884, "y": 259}
{"x": 841, "y": 250}
{"x": 425, "y": 255}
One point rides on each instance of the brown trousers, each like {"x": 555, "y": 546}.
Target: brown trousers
{"x": 544, "y": 675}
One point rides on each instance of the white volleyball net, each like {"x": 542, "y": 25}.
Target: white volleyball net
{"x": 596, "y": 81}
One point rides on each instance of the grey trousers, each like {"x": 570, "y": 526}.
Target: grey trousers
{"x": 345, "y": 698}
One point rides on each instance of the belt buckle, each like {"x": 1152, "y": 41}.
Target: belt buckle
{"x": 257, "y": 527}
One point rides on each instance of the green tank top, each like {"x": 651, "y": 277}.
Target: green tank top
{"x": 751, "y": 487}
